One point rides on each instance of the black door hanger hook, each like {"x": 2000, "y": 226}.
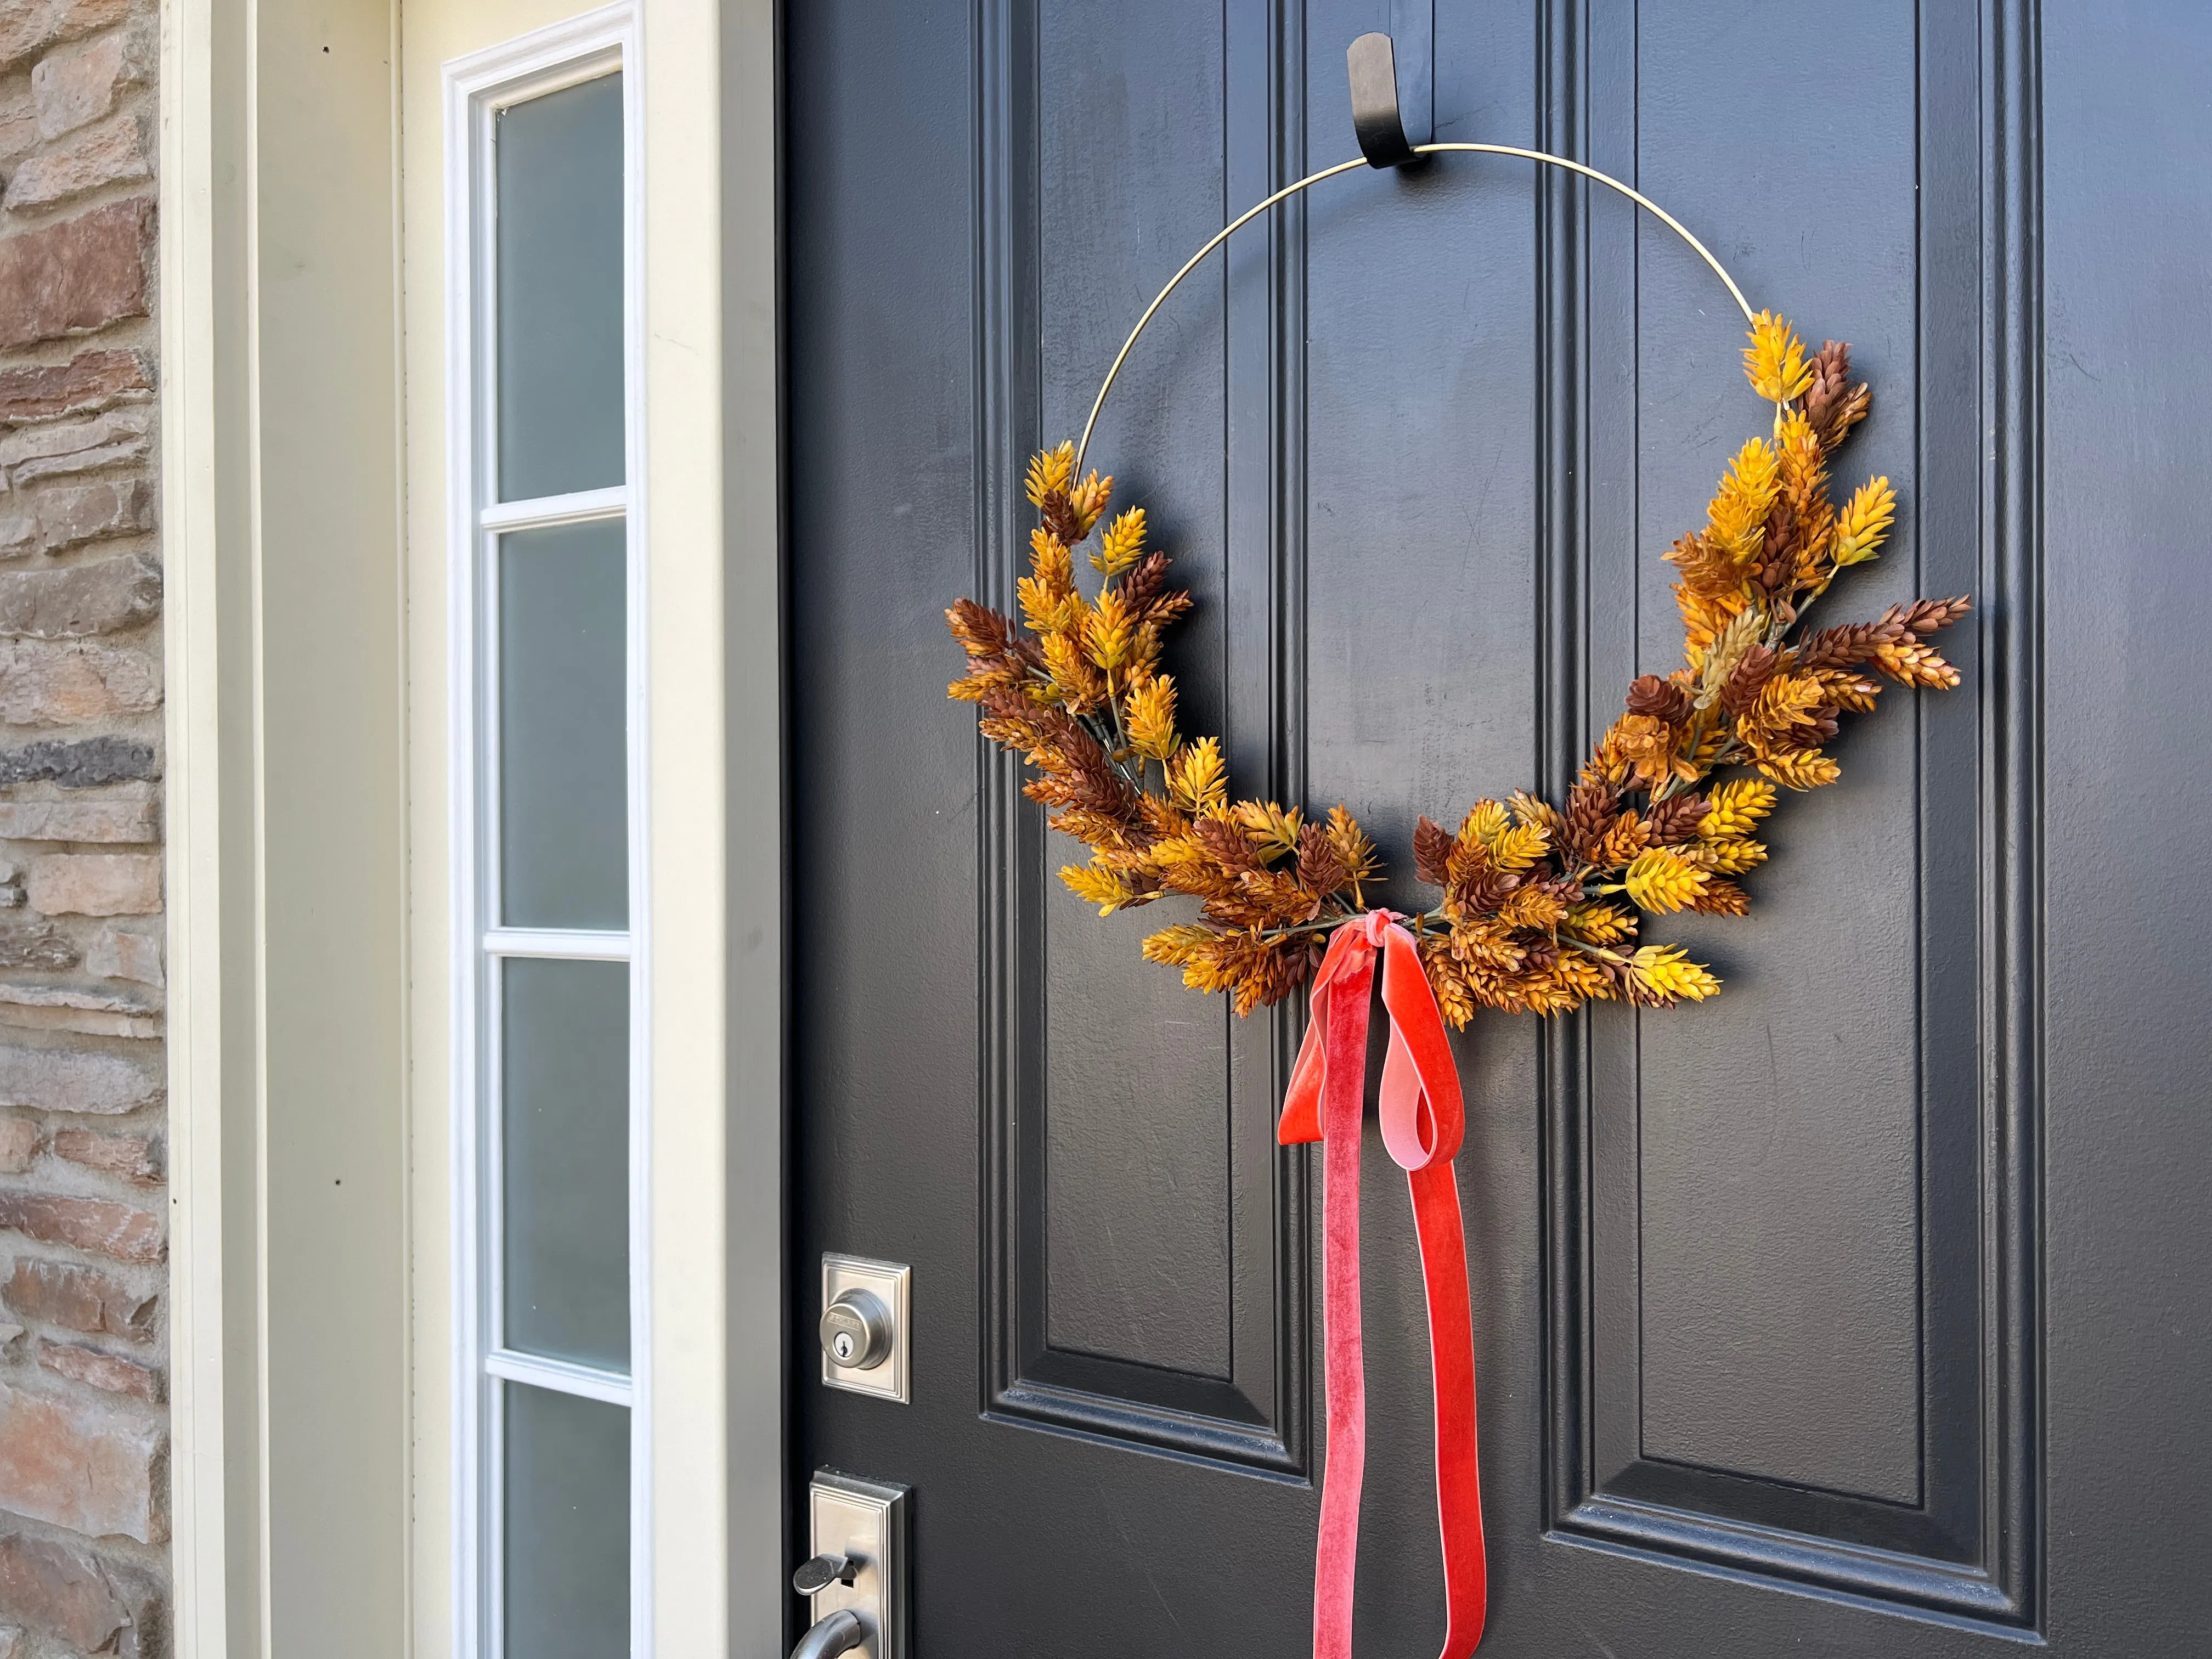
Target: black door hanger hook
{"x": 1392, "y": 105}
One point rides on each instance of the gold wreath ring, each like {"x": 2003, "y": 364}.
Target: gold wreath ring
{"x": 1289, "y": 191}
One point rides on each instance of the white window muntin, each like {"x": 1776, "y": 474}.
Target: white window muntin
{"x": 478, "y": 88}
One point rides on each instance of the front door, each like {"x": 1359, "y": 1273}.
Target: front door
{"x": 1857, "y": 1312}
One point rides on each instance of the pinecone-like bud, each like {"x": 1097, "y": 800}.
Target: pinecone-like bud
{"x": 1483, "y": 889}
{"x": 1833, "y": 404}
{"x": 1925, "y": 617}
{"x": 1661, "y": 699}
{"x": 1591, "y": 806}
{"x": 1675, "y": 819}
{"x": 1849, "y": 646}
{"x": 1146, "y": 580}
{"x": 1432, "y": 848}
{"x": 1226, "y": 843}
{"x": 1060, "y": 517}
{"x": 1752, "y": 670}
{"x": 1320, "y": 869}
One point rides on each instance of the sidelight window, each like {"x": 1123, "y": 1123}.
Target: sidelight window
{"x": 550, "y": 1085}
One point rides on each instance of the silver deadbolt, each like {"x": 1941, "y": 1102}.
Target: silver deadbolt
{"x": 856, "y": 1330}
{"x": 867, "y": 1330}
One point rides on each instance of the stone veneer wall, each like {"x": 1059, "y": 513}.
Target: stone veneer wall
{"x": 83, "y": 1429}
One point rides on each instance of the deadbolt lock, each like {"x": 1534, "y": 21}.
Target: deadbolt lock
{"x": 856, "y": 1330}
{"x": 867, "y": 1312}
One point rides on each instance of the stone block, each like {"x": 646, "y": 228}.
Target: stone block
{"x": 78, "y": 84}
{"x": 19, "y": 1142}
{"x": 74, "y": 276}
{"x": 100, "y": 1370}
{"x": 121, "y": 951}
{"x": 92, "y": 1467}
{"x": 75, "y": 1595}
{"x": 85, "y": 763}
{"x": 106, "y": 153}
{"x": 95, "y": 883}
{"x": 34, "y": 945}
{"x": 30, "y": 26}
{"x": 66, "y": 1080}
{"x": 20, "y": 533}
{"x": 98, "y": 1224}
{"x": 89, "y": 381}
{"x": 45, "y": 683}
{"x": 38, "y": 1009}
{"x": 81, "y": 599}
{"x": 78, "y": 1298}
{"x": 69, "y": 516}
{"x": 134, "y": 1159}
{"x": 113, "y": 818}
{"x": 19, "y": 123}
{"x": 57, "y": 448}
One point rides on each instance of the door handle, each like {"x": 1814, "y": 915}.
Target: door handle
{"x": 841, "y": 1632}
{"x": 857, "y": 1576}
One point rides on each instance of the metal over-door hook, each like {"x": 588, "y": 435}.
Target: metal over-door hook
{"x": 1393, "y": 106}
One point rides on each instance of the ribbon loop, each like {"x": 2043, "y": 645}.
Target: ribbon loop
{"x": 1423, "y": 1122}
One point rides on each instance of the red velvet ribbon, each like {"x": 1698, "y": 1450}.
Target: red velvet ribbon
{"x": 1423, "y": 1122}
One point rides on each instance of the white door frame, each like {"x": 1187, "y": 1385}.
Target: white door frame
{"x": 296, "y": 790}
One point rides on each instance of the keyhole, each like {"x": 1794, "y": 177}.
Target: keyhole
{"x": 844, "y": 1347}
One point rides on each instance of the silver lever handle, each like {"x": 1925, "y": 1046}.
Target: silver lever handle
{"x": 841, "y": 1632}
{"x": 818, "y": 1575}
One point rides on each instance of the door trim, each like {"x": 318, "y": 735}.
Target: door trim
{"x": 235, "y": 402}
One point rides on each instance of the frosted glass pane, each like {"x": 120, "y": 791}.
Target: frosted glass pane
{"x": 564, "y": 1159}
{"x": 568, "y": 1526}
{"x": 563, "y": 775}
{"x": 560, "y": 299}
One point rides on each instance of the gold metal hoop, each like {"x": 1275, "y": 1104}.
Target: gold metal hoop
{"x": 1312, "y": 179}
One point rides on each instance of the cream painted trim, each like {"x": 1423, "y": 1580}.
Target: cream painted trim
{"x": 281, "y": 497}
{"x": 713, "y": 481}
{"x": 202, "y": 139}
{"x": 714, "y": 607}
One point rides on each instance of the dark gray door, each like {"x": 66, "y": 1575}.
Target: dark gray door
{"x": 1861, "y": 1311}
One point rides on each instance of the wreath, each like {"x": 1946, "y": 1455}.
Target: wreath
{"x": 1542, "y": 903}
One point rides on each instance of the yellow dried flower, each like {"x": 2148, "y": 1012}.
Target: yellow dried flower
{"x": 1661, "y": 880}
{"x": 1050, "y": 470}
{"x": 1152, "y": 717}
{"x": 1122, "y": 544}
{"x": 1775, "y": 363}
{"x": 1109, "y": 632}
{"x": 1865, "y": 524}
{"x": 1196, "y": 778}
{"x": 1664, "y": 975}
{"x": 1094, "y": 883}
{"x": 1809, "y": 770}
{"x": 1734, "y": 808}
{"x": 1518, "y": 847}
{"x": 1738, "y": 513}
{"x": 1725, "y": 857}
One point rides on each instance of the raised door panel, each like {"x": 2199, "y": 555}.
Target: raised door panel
{"x": 1791, "y": 1253}
{"x": 1145, "y": 1261}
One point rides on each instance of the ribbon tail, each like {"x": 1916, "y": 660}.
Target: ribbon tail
{"x": 1438, "y": 1220}
{"x": 1336, "y": 1553}
{"x": 1423, "y": 1122}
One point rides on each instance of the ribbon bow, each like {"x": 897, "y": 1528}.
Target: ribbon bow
{"x": 1423, "y": 1122}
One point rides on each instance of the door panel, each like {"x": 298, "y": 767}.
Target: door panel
{"x": 1789, "y": 1319}
{"x": 1765, "y": 1290}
